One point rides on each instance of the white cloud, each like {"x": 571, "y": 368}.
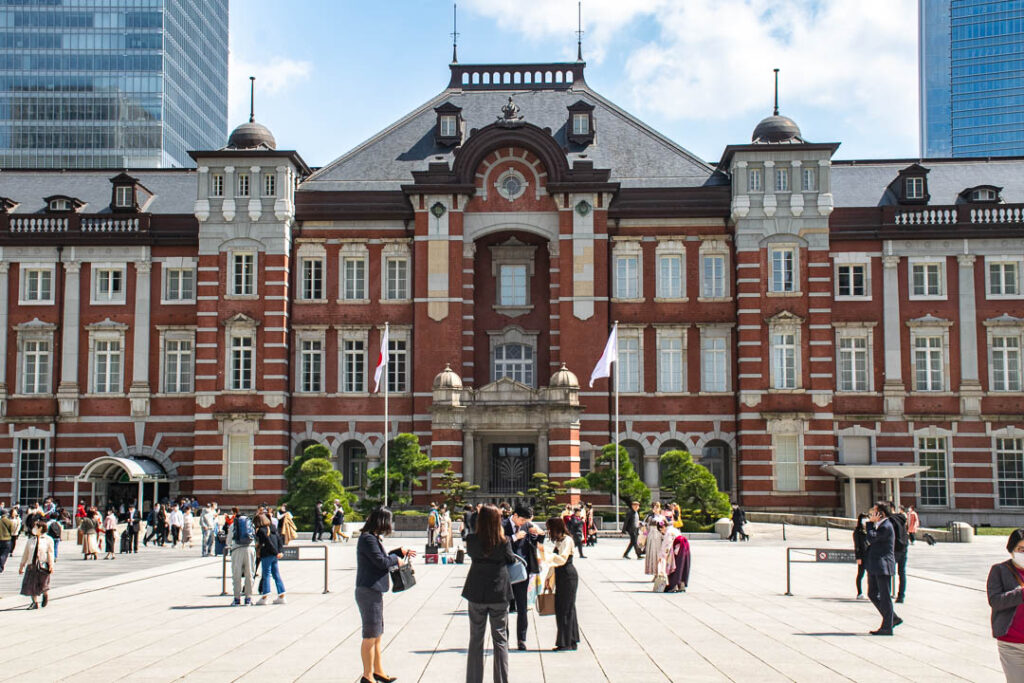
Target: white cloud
{"x": 711, "y": 60}
{"x": 274, "y": 76}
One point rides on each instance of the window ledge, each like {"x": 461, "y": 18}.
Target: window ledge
{"x": 783, "y": 295}
{"x": 620, "y": 300}
{"x": 352, "y": 301}
{"x": 852, "y": 297}
{"x": 311, "y": 301}
{"x": 927, "y": 297}
{"x": 113, "y": 302}
{"x": 714, "y": 393}
{"x": 240, "y": 392}
{"x": 241, "y": 297}
{"x": 29, "y": 396}
{"x": 713, "y": 299}
{"x": 311, "y": 394}
{"x": 787, "y": 391}
{"x": 670, "y": 300}
{"x": 406, "y": 300}
{"x": 996, "y": 393}
{"x": 95, "y": 395}
{"x": 165, "y": 394}
{"x": 513, "y": 311}
{"x": 177, "y": 302}
{"x": 671, "y": 393}
{"x": 931, "y": 393}
{"x": 1003, "y": 297}
{"x": 34, "y": 302}
{"x": 857, "y": 393}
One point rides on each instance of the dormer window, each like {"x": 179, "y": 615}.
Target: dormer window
{"x": 62, "y": 204}
{"x": 7, "y": 205}
{"x": 982, "y": 194}
{"x": 129, "y": 194}
{"x": 914, "y": 188}
{"x": 124, "y": 197}
{"x": 911, "y": 186}
{"x": 448, "y": 129}
{"x": 581, "y": 123}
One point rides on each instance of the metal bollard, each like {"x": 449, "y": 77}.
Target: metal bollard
{"x": 224, "y": 573}
{"x": 783, "y": 531}
{"x": 826, "y": 531}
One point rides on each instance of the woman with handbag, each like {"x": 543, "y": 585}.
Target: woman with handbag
{"x": 37, "y": 563}
{"x": 373, "y": 566}
{"x": 563, "y": 578}
{"x": 488, "y": 590}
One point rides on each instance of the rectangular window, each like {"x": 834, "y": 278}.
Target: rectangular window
{"x": 269, "y": 185}
{"x": 670, "y": 277}
{"x": 242, "y": 360}
{"x": 852, "y": 280}
{"x": 754, "y": 180}
{"x": 354, "y": 365}
{"x": 180, "y": 284}
{"x": 713, "y": 358}
{"x": 31, "y": 470}
{"x": 311, "y": 366}
{"x": 243, "y": 184}
{"x": 927, "y": 279}
{"x": 628, "y": 365}
{"x": 243, "y": 273}
{"x": 38, "y": 285}
{"x": 449, "y": 126}
{"x": 1010, "y": 471}
{"x": 580, "y": 124}
{"x": 35, "y": 376}
{"x": 513, "y": 285}
{"x": 809, "y": 180}
{"x": 853, "y": 364}
{"x": 396, "y": 279}
{"x": 239, "y": 462}
{"x": 123, "y": 197}
{"x": 1006, "y": 367}
{"x": 178, "y": 364}
{"x": 932, "y": 484}
{"x": 627, "y": 277}
{"x": 670, "y": 365}
{"x": 787, "y": 462}
{"x": 783, "y": 266}
{"x": 312, "y": 279}
{"x": 928, "y": 364}
{"x": 107, "y": 366}
{"x": 782, "y": 180}
{"x": 109, "y": 285}
{"x": 353, "y": 279}
{"x": 712, "y": 279}
{"x": 784, "y": 361}
{"x": 915, "y": 188}
{"x": 1003, "y": 279}
{"x": 398, "y": 366}
{"x": 217, "y": 185}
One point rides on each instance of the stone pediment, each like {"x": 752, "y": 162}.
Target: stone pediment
{"x": 505, "y": 390}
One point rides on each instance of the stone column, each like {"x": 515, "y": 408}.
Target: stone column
{"x": 4, "y": 276}
{"x": 893, "y": 389}
{"x": 541, "y": 465}
{"x": 67, "y": 391}
{"x": 138, "y": 392}
{"x": 468, "y": 455}
{"x": 851, "y": 497}
{"x": 970, "y": 384}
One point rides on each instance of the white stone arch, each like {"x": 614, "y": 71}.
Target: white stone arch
{"x": 535, "y": 170}
{"x": 242, "y": 244}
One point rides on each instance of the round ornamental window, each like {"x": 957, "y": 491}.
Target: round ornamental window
{"x": 511, "y": 184}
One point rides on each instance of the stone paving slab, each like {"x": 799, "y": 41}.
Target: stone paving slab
{"x": 734, "y": 623}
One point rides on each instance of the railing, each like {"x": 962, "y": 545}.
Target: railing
{"x": 110, "y": 224}
{"x": 960, "y": 214}
{"x": 38, "y": 224}
{"x": 44, "y": 224}
{"x": 553, "y": 76}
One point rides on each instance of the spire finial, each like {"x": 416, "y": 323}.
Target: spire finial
{"x": 252, "y": 99}
{"x": 455, "y": 33}
{"x": 579, "y": 31}
{"x": 776, "y": 110}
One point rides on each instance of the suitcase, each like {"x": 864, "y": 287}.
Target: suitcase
{"x": 460, "y": 556}
{"x": 430, "y": 558}
{"x": 431, "y": 549}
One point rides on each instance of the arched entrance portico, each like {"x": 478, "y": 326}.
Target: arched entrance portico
{"x": 121, "y": 476}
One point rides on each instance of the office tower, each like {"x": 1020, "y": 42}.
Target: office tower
{"x": 971, "y": 60}
{"x": 105, "y": 83}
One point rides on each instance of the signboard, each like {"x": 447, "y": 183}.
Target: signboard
{"x": 832, "y": 555}
{"x": 290, "y": 553}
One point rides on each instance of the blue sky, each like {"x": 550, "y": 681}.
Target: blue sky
{"x": 331, "y": 73}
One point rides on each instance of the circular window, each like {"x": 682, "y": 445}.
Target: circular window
{"x": 511, "y": 185}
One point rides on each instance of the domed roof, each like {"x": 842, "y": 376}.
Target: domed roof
{"x": 564, "y": 379}
{"x": 776, "y": 129}
{"x": 251, "y": 135}
{"x": 447, "y": 379}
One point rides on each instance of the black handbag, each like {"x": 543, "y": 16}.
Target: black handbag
{"x": 403, "y": 578}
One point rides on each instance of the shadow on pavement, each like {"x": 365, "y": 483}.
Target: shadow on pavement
{"x": 835, "y": 633}
{"x": 459, "y": 650}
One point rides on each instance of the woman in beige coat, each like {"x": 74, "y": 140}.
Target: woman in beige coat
{"x": 37, "y": 563}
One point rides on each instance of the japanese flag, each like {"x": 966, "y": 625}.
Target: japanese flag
{"x": 382, "y": 360}
{"x": 610, "y": 355}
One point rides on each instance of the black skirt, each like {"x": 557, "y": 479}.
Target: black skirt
{"x": 35, "y": 581}
{"x": 566, "y": 583}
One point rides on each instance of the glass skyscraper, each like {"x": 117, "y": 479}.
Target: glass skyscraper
{"x": 111, "y": 83}
{"x": 972, "y": 77}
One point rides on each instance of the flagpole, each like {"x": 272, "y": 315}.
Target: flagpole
{"x": 386, "y": 359}
{"x": 615, "y": 383}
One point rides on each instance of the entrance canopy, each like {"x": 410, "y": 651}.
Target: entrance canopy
{"x": 851, "y": 473}
{"x": 111, "y": 468}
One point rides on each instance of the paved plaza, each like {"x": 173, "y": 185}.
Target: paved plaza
{"x": 160, "y": 617}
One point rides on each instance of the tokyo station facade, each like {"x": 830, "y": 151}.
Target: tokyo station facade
{"x": 818, "y": 333}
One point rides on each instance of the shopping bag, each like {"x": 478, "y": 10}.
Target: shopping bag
{"x": 546, "y": 604}
{"x": 660, "y": 582}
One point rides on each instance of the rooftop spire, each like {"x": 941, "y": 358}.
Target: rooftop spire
{"x": 579, "y": 31}
{"x": 252, "y": 99}
{"x": 775, "y": 112}
{"x": 455, "y": 33}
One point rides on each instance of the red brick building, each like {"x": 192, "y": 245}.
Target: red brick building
{"x": 813, "y": 331}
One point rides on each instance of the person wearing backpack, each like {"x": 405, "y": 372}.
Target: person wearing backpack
{"x": 54, "y": 530}
{"x": 433, "y": 520}
{"x": 241, "y": 545}
{"x": 899, "y": 526}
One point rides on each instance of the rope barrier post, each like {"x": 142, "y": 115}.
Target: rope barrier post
{"x": 784, "y": 534}
{"x": 325, "y": 569}
{"x": 788, "y": 591}
{"x": 826, "y": 531}
{"x": 224, "y": 573}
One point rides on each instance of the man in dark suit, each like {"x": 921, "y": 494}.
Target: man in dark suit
{"x": 632, "y": 527}
{"x": 525, "y": 536}
{"x": 133, "y": 522}
{"x": 899, "y": 527}
{"x": 880, "y": 561}
{"x": 318, "y": 521}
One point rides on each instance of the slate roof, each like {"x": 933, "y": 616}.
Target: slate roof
{"x": 637, "y": 155}
{"x": 867, "y": 183}
{"x": 174, "y": 190}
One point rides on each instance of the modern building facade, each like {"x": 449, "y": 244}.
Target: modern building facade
{"x": 971, "y": 59}
{"x": 817, "y": 333}
{"x": 128, "y": 84}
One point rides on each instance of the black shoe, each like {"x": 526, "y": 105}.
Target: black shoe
{"x": 882, "y": 632}
{"x": 522, "y": 646}
{"x": 46, "y": 599}
{"x": 35, "y": 606}
{"x": 383, "y": 679}
{"x": 896, "y": 621}
{"x": 899, "y": 599}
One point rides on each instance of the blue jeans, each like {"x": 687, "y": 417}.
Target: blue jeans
{"x": 56, "y": 542}
{"x": 268, "y": 568}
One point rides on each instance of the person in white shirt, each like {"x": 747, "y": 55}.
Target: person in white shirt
{"x": 176, "y": 520}
{"x": 208, "y": 525}
{"x": 563, "y": 578}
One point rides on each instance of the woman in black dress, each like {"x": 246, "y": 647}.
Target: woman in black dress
{"x": 565, "y": 580}
{"x": 860, "y": 548}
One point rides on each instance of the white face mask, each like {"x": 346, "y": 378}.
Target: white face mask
{"x": 1018, "y": 559}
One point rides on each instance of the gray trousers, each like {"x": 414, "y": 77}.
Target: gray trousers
{"x": 1011, "y": 656}
{"x": 478, "y": 615}
{"x": 243, "y": 564}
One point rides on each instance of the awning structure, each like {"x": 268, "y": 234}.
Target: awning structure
{"x": 111, "y": 467}
{"x": 891, "y": 472}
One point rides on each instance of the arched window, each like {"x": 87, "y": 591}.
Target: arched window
{"x": 636, "y": 455}
{"x": 514, "y": 361}
{"x": 666, "y": 446}
{"x": 301, "y": 448}
{"x": 716, "y": 456}
{"x": 353, "y": 464}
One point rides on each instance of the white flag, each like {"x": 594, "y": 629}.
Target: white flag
{"x": 382, "y": 360}
{"x": 610, "y": 355}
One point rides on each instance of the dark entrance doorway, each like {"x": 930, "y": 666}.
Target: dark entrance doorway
{"x": 511, "y": 467}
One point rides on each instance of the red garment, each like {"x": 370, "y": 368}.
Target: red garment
{"x": 1015, "y": 634}
{"x": 80, "y": 512}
